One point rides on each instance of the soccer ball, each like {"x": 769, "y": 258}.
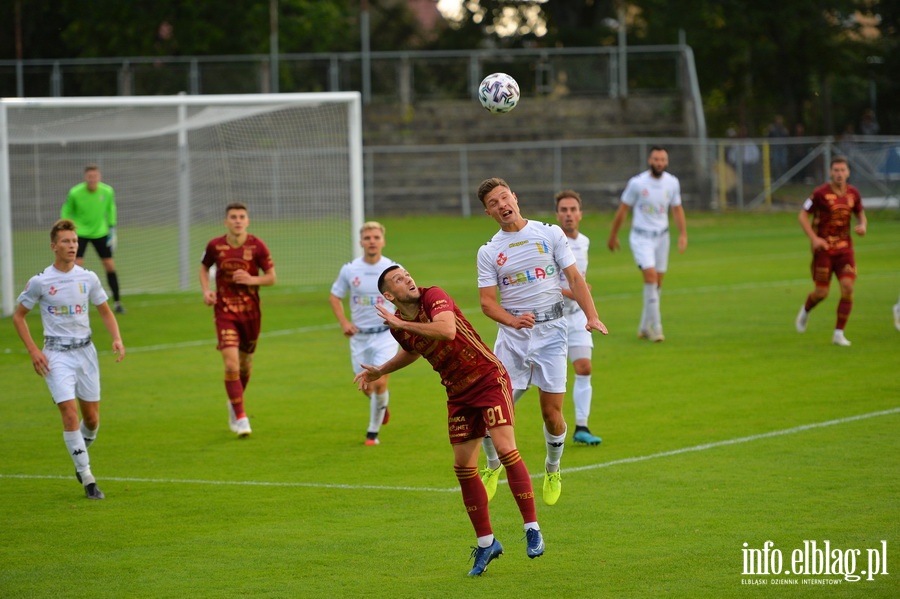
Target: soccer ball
{"x": 498, "y": 93}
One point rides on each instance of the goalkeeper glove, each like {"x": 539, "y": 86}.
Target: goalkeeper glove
{"x": 112, "y": 238}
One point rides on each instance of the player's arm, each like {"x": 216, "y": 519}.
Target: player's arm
{"x": 681, "y": 223}
{"x": 492, "y": 309}
{"x": 861, "y": 223}
{"x": 68, "y": 207}
{"x": 112, "y": 326}
{"x": 582, "y": 295}
{"x": 369, "y": 373}
{"x": 38, "y": 359}
{"x": 817, "y": 242}
{"x": 242, "y": 277}
{"x": 209, "y": 295}
{"x": 337, "y": 306}
{"x": 618, "y": 219}
{"x": 441, "y": 327}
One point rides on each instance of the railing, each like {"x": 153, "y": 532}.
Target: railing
{"x": 715, "y": 174}
{"x": 398, "y": 76}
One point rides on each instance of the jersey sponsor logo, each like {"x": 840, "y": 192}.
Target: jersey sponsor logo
{"x": 530, "y": 276}
{"x": 653, "y": 209}
{"x": 75, "y": 310}
{"x": 501, "y": 259}
{"x": 367, "y": 300}
{"x": 542, "y": 247}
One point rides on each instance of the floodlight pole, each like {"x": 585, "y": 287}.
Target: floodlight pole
{"x": 273, "y": 46}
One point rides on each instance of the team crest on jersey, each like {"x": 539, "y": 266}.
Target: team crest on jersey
{"x": 52, "y": 290}
{"x": 501, "y": 259}
{"x": 248, "y": 254}
{"x": 356, "y": 282}
{"x": 542, "y": 247}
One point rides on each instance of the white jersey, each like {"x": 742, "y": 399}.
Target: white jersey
{"x": 525, "y": 266}
{"x": 63, "y": 298}
{"x": 579, "y": 247}
{"x": 360, "y": 279}
{"x": 650, "y": 199}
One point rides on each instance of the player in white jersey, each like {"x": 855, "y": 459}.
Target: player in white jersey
{"x": 649, "y": 196}
{"x": 568, "y": 215}
{"x": 370, "y": 339}
{"x": 68, "y": 361}
{"x": 523, "y": 261}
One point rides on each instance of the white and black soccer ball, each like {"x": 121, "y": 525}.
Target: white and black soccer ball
{"x": 498, "y": 93}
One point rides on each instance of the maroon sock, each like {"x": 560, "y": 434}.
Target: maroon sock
{"x": 811, "y": 302}
{"x": 843, "y": 313}
{"x": 235, "y": 392}
{"x": 475, "y": 499}
{"x": 520, "y": 484}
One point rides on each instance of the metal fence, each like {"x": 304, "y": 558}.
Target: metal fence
{"x": 715, "y": 174}
{"x": 403, "y": 77}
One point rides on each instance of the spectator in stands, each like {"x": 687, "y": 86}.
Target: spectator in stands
{"x": 778, "y": 152}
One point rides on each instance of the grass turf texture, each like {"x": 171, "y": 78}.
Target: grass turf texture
{"x": 303, "y": 509}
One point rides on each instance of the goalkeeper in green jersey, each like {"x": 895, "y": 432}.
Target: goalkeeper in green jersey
{"x": 92, "y": 205}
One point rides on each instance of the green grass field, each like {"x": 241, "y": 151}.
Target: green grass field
{"x": 735, "y": 430}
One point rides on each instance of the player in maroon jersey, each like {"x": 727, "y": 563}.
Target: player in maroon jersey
{"x": 479, "y": 398}
{"x": 831, "y": 205}
{"x": 243, "y": 263}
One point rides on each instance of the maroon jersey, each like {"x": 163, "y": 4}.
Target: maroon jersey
{"x": 233, "y": 299}
{"x": 463, "y": 362}
{"x": 831, "y": 215}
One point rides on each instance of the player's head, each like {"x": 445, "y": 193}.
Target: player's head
{"x": 499, "y": 202}
{"x": 658, "y": 161}
{"x": 840, "y": 170}
{"x": 92, "y": 176}
{"x": 64, "y": 241}
{"x": 371, "y": 238}
{"x": 62, "y": 224}
{"x": 397, "y": 285}
{"x": 568, "y": 210}
{"x": 237, "y": 218}
{"x": 488, "y": 185}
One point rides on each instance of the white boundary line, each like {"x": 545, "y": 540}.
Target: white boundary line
{"x": 664, "y": 454}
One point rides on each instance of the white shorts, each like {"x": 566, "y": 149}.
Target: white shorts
{"x": 374, "y": 349}
{"x": 535, "y": 356}
{"x": 650, "y": 252}
{"x": 578, "y": 335}
{"x": 74, "y": 374}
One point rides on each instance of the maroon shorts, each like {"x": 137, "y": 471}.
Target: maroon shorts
{"x": 486, "y": 405}
{"x": 843, "y": 266}
{"x": 241, "y": 334}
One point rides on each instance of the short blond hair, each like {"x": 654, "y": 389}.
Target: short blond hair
{"x": 62, "y": 224}
{"x": 371, "y": 224}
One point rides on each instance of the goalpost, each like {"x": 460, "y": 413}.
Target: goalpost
{"x": 175, "y": 162}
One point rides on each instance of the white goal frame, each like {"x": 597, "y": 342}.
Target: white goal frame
{"x": 187, "y": 264}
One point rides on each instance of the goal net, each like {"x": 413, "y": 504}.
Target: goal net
{"x": 175, "y": 162}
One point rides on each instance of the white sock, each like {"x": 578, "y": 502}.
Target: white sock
{"x": 531, "y": 526}
{"x": 555, "y": 446}
{"x": 490, "y": 452}
{"x": 486, "y": 540}
{"x": 376, "y": 414}
{"x": 382, "y": 401}
{"x": 651, "y": 305}
{"x": 78, "y": 451}
{"x": 89, "y": 435}
{"x": 581, "y": 396}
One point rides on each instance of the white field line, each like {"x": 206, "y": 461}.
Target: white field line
{"x": 664, "y": 454}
